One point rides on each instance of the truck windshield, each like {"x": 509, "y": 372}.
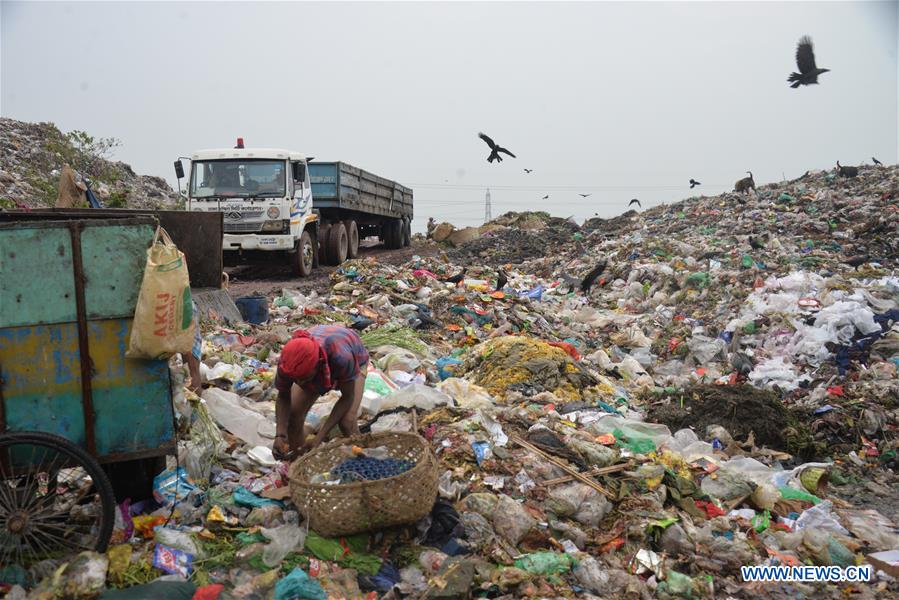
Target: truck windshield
{"x": 237, "y": 178}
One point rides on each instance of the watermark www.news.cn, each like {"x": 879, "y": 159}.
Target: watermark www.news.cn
{"x": 807, "y": 574}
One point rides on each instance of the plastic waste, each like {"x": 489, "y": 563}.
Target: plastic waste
{"x": 178, "y": 540}
{"x": 511, "y": 520}
{"x": 417, "y": 396}
{"x": 282, "y": 541}
{"x": 591, "y": 575}
{"x": 545, "y": 563}
{"x": 497, "y": 435}
{"x": 449, "y": 489}
{"x": 172, "y": 485}
{"x": 467, "y": 395}
{"x": 250, "y": 426}
{"x": 297, "y": 585}
{"x": 821, "y": 517}
{"x": 447, "y": 366}
{"x": 431, "y": 561}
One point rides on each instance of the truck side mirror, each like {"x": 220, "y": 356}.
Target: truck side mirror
{"x": 299, "y": 172}
{"x": 179, "y": 169}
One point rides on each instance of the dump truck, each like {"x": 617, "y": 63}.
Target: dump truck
{"x": 277, "y": 203}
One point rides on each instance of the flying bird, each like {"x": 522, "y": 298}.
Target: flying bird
{"x": 847, "y": 171}
{"x": 529, "y": 170}
{"x": 805, "y": 61}
{"x": 495, "y": 149}
{"x": 694, "y": 183}
{"x": 585, "y": 195}
{"x": 546, "y": 197}
{"x": 591, "y": 277}
{"x": 457, "y": 277}
{"x": 634, "y": 201}
{"x": 876, "y": 162}
{"x": 501, "y": 280}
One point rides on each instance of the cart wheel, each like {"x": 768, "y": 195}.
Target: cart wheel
{"x": 55, "y": 499}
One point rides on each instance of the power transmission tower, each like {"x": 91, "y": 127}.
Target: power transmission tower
{"x": 488, "y": 212}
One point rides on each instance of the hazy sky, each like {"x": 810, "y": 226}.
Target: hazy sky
{"x": 621, "y": 100}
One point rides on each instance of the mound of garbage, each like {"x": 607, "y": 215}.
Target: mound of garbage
{"x": 33, "y": 158}
{"x": 724, "y": 395}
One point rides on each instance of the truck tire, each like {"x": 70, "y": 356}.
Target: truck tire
{"x": 338, "y": 243}
{"x": 393, "y": 234}
{"x": 324, "y": 256}
{"x": 301, "y": 260}
{"x": 352, "y": 233}
{"x": 407, "y": 233}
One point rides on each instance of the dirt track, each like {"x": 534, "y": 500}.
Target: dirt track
{"x": 268, "y": 279}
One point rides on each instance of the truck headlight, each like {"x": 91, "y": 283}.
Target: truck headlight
{"x": 275, "y": 226}
{"x": 273, "y": 212}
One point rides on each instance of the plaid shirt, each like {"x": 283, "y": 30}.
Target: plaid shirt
{"x": 346, "y": 357}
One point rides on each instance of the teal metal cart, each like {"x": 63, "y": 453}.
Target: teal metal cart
{"x": 69, "y": 398}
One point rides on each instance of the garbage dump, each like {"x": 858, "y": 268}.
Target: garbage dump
{"x": 707, "y": 404}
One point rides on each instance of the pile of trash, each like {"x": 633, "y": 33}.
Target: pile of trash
{"x": 723, "y": 395}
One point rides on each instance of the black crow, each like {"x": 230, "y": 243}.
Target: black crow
{"x": 528, "y": 170}
{"x": 694, "y": 183}
{"x": 591, "y": 277}
{"x": 634, "y": 201}
{"x": 495, "y": 149}
{"x": 805, "y": 61}
{"x": 501, "y": 280}
{"x": 847, "y": 171}
{"x": 546, "y": 197}
{"x": 857, "y": 261}
{"x": 756, "y": 245}
{"x": 876, "y": 162}
{"x": 457, "y": 277}
{"x": 585, "y": 195}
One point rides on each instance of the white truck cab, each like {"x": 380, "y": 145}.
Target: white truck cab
{"x": 265, "y": 197}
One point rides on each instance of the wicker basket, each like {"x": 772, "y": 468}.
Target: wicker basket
{"x": 336, "y": 510}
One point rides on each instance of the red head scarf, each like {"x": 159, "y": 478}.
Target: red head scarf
{"x": 301, "y": 356}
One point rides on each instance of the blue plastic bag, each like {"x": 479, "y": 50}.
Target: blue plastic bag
{"x": 243, "y": 497}
{"x": 444, "y": 366}
{"x": 172, "y": 486}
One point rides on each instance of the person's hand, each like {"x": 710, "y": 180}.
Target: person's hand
{"x": 281, "y": 448}
{"x": 308, "y": 445}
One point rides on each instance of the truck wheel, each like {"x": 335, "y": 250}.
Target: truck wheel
{"x": 352, "y": 233}
{"x": 407, "y": 234}
{"x": 393, "y": 234}
{"x": 324, "y": 256}
{"x": 301, "y": 259}
{"x": 337, "y": 243}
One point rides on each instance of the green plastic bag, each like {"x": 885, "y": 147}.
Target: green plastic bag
{"x": 546, "y": 563}
{"x": 299, "y": 585}
{"x": 788, "y": 493}
{"x": 637, "y": 445}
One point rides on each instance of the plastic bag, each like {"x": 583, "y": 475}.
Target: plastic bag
{"x": 591, "y": 575}
{"x": 418, "y": 396}
{"x": 821, "y": 517}
{"x": 172, "y": 485}
{"x": 595, "y": 455}
{"x": 163, "y": 322}
{"x": 282, "y": 541}
{"x": 545, "y": 563}
{"x": 246, "y": 424}
{"x": 466, "y": 394}
{"x": 298, "y": 585}
{"x": 449, "y": 489}
{"x": 511, "y": 520}
{"x": 178, "y": 540}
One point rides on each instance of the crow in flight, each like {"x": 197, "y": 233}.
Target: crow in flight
{"x": 876, "y": 162}
{"x": 585, "y": 195}
{"x": 634, "y": 201}
{"x": 528, "y": 170}
{"x": 694, "y": 183}
{"x": 546, "y": 197}
{"x": 805, "y": 61}
{"x": 494, "y": 149}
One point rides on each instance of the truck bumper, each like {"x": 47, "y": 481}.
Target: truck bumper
{"x": 257, "y": 242}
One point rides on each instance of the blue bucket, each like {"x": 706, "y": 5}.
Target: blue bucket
{"x": 253, "y": 309}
